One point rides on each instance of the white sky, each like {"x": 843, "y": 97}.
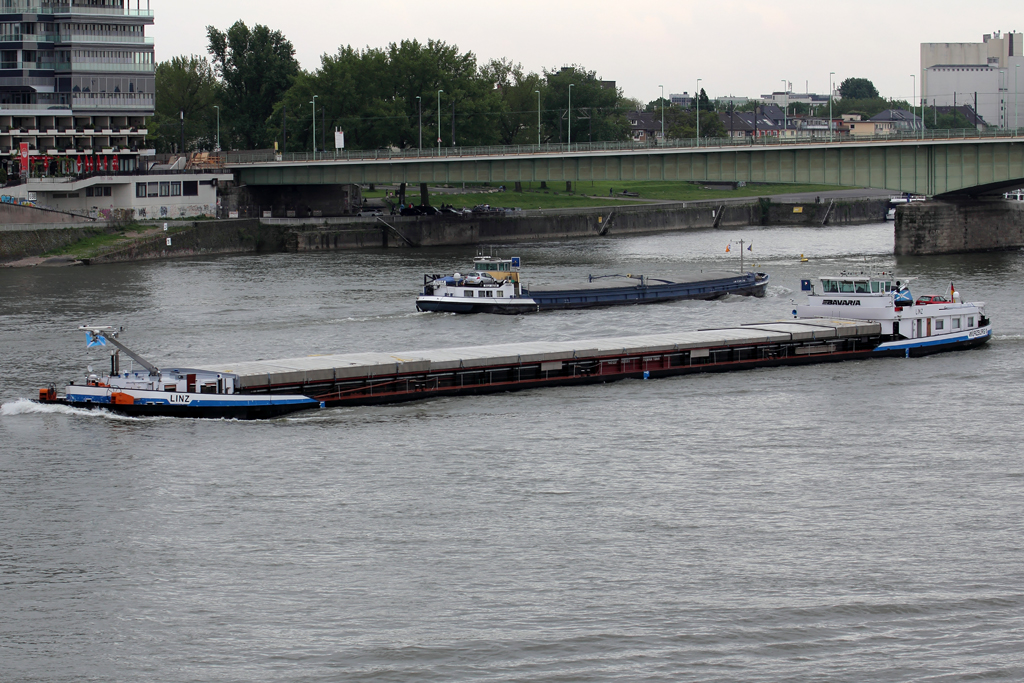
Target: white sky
{"x": 738, "y": 47}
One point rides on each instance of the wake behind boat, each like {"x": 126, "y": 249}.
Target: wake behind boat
{"x": 494, "y": 286}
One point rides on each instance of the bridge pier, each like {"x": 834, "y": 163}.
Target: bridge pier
{"x": 954, "y": 226}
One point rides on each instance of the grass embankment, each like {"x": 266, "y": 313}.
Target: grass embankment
{"x": 587, "y": 194}
{"x": 91, "y": 247}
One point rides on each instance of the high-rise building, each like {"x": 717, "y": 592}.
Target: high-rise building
{"x": 77, "y": 80}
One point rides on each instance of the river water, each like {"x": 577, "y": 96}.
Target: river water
{"x": 859, "y": 521}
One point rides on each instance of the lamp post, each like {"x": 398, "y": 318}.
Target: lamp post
{"x": 538, "y": 119}
{"x": 439, "y": 120}
{"x": 313, "y": 102}
{"x": 1016, "y": 127}
{"x": 830, "y": 124}
{"x": 785, "y": 111}
{"x": 570, "y": 115}
{"x": 662, "y": 112}
{"x": 419, "y": 105}
{"x": 218, "y": 126}
{"x": 696, "y": 96}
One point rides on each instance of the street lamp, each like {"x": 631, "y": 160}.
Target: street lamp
{"x": 439, "y": 120}
{"x": 538, "y": 119}
{"x": 1016, "y": 127}
{"x": 662, "y": 112}
{"x": 696, "y": 96}
{"x": 419, "y": 104}
{"x": 218, "y": 126}
{"x": 785, "y": 111}
{"x": 913, "y": 104}
{"x": 830, "y": 123}
{"x": 313, "y": 102}
{"x": 570, "y": 115}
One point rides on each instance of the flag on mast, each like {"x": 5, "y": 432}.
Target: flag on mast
{"x": 728, "y": 248}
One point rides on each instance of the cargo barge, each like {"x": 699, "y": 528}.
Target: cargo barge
{"x": 847, "y": 317}
{"x": 494, "y": 286}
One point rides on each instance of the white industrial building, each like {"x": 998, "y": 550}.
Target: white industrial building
{"x": 955, "y": 74}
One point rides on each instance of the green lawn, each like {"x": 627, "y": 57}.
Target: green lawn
{"x": 586, "y": 194}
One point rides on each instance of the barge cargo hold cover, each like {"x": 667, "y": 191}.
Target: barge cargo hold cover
{"x": 373, "y": 378}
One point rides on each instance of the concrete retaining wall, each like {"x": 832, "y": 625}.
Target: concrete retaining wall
{"x": 337, "y": 234}
{"x": 203, "y": 238}
{"x": 960, "y": 226}
{"x": 575, "y": 223}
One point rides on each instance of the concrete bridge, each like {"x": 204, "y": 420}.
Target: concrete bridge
{"x": 943, "y": 164}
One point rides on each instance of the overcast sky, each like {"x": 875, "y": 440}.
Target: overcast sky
{"x": 738, "y": 47}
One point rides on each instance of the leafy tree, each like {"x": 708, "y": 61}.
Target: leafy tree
{"x": 371, "y": 94}
{"x": 517, "y": 92}
{"x": 866, "y": 108}
{"x": 256, "y": 66}
{"x": 952, "y": 120}
{"x": 185, "y": 85}
{"x": 858, "y": 89}
{"x": 705, "y": 103}
{"x": 596, "y": 111}
{"x": 682, "y": 124}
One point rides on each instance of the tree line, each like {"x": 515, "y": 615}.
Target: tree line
{"x": 250, "y": 93}
{"x": 380, "y": 97}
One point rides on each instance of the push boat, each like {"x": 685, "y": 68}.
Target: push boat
{"x": 846, "y": 317}
{"x": 495, "y": 286}
{"x": 156, "y": 392}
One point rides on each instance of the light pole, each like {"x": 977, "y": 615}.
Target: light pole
{"x": 439, "y": 120}
{"x": 785, "y": 111}
{"x": 419, "y": 105}
{"x": 662, "y": 112}
{"x": 1016, "y": 127}
{"x": 696, "y": 96}
{"x": 830, "y": 124}
{"x": 218, "y": 126}
{"x": 913, "y": 101}
{"x": 313, "y": 102}
{"x": 570, "y": 115}
{"x": 538, "y": 119}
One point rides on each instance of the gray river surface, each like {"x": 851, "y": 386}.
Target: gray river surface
{"x": 860, "y": 521}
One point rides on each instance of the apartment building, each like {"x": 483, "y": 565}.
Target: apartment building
{"x": 77, "y": 83}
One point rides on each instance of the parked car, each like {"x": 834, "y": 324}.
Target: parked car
{"x": 931, "y": 299}
{"x": 371, "y": 212}
{"x": 478, "y": 278}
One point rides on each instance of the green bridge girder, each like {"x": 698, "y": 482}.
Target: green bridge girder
{"x": 929, "y": 167}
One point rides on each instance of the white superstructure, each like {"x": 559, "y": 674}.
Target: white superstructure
{"x": 930, "y": 320}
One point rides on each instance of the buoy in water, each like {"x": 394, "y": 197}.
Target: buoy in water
{"x": 803, "y": 259}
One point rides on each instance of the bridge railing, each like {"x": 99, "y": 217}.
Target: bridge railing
{"x": 270, "y": 156}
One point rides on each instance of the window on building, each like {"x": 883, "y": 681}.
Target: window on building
{"x": 165, "y": 189}
{"x": 154, "y": 189}
{"x": 90, "y": 192}
{"x": 176, "y": 189}
{"x": 108, "y": 191}
{"x": 190, "y": 188}
{"x": 140, "y": 189}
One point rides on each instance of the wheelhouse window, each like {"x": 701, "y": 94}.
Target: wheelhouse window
{"x": 970, "y": 321}
{"x": 830, "y": 286}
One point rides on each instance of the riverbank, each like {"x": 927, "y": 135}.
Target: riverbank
{"x": 96, "y": 245}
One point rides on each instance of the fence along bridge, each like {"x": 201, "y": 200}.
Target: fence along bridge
{"x": 939, "y": 165}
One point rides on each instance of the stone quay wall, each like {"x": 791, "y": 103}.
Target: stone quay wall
{"x": 959, "y": 226}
